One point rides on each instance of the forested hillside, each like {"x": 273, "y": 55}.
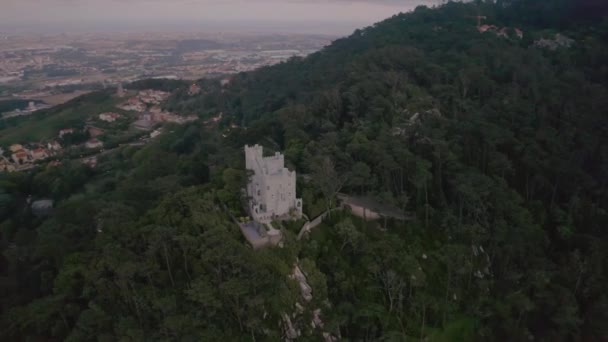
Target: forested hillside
{"x": 495, "y": 147}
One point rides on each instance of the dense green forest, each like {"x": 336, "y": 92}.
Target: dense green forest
{"x": 496, "y": 148}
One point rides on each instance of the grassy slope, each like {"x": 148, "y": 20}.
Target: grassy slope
{"x": 46, "y": 124}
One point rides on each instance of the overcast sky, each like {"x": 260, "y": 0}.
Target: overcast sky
{"x": 330, "y": 16}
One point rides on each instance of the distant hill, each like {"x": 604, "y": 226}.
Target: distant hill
{"x": 437, "y": 36}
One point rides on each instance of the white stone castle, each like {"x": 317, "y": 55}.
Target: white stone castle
{"x": 271, "y": 188}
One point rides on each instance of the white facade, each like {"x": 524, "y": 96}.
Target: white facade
{"x": 109, "y": 117}
{"x": 93, "y": 143}
{"x": 271, "y": 188}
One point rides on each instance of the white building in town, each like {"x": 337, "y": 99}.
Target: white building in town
{"x": 109, "y": 117}
{"x": 271, "y": 188}
{"x": 93, "y": 143}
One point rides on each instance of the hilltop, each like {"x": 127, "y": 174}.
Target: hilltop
{"x": 492, "y": 146}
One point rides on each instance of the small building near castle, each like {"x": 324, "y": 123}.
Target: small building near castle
{"x": 271, "y": 188}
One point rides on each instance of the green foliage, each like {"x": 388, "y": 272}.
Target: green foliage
{"x": 61, "y": 181}
{"x": 75, "y": 138}
{"x": 234, "y": 181}
{"x": 157, "y": 84}
{"x": 178, "y": 272}
{"x": 494, "y": 148}
{"x": 205, "y": 104}
{"x": 10, "y": 105}
{"x": 45, "y": 124}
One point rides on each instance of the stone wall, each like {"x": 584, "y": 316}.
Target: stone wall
{"x": 364, "y": 213}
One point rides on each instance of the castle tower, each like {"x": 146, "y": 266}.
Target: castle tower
{"x": 271, "y": 188}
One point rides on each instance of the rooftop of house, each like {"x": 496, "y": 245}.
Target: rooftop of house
{"x": 15, "y": 147}
{"x": 144, "y": 124}
{"x": 21, "y": 154}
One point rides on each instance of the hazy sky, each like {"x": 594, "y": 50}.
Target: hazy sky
{"x": 334, "y": 16}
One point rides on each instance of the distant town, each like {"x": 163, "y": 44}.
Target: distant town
{"x": 47, "y": 70}
{"x": 138, "y": 117}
